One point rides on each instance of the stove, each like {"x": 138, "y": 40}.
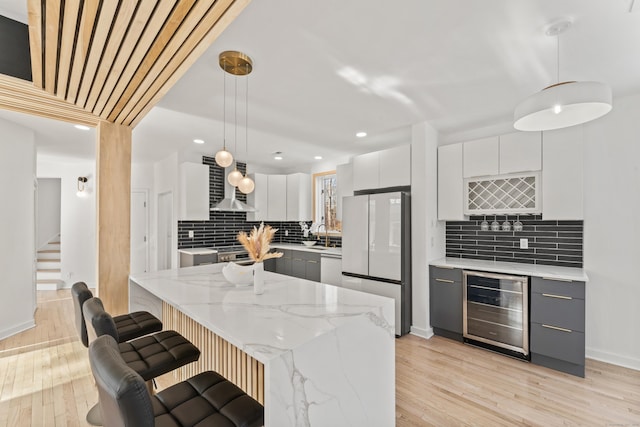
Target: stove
{"x": 237, "y": 254}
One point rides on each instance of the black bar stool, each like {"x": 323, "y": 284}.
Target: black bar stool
{"x": 205, "y": 399}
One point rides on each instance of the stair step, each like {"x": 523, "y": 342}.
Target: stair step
{"x": 48, "y": 260}
{"x": 49, "y": 251}
{"x": 49, "y": 270}
{"x": 49, "y": 284}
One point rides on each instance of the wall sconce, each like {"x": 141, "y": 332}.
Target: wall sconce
{"x": 82, "y": 187}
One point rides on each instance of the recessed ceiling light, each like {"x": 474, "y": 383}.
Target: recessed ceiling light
{"x": 361, "y": 134}
{"x": 277, "y": 158}
{"x": 82, "y": 127}
{"x": 198, "y": 141}
{"x": 318, "y": 157}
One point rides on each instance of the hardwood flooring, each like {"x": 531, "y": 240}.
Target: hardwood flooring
{"x": 45, "y": 380}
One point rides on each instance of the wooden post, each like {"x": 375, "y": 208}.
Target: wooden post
{"x": 113, "y": 212}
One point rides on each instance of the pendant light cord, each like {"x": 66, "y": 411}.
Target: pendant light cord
{"x": 235, "y": 116}
{"x": 246, "y": 115}
{"x": 224, "y": 108}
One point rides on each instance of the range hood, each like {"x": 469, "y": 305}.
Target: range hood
{"x": 230, "y": 203}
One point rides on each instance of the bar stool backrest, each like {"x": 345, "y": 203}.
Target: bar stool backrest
{"x": 79, "y": 294}
{"x": 98, "y": 321}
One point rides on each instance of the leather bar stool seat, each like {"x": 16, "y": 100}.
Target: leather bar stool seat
{"x": 129, "y": 326}
{"x": 207, "y": 399}
{"x": 149, "y": 356}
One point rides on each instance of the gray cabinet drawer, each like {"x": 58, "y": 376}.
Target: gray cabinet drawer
{"x": 445, "y": 305}
{"x": 562, "y": 345}
{"x": 557, "y": 287}
{"x": 442, "y": 274}
{"x": 552, "y": 310}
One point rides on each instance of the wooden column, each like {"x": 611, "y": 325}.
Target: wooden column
{"x": 113, "y": 211}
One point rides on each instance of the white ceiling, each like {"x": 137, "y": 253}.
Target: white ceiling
{"x": 325, "y": 70}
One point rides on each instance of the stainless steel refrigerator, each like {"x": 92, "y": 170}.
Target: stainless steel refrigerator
{"x": 376, "y": 249}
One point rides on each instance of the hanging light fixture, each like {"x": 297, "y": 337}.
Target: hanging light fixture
{"x": 223, "y": 157}
{"x": 235, "y": 176}
{"x": 246, "y": 184}
{"x": 562, "y": 104}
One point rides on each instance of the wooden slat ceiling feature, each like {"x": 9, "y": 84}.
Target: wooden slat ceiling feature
{"x": 116, "y": 58}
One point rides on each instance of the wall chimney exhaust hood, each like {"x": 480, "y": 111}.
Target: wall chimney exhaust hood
{"x": 230, "y": 203}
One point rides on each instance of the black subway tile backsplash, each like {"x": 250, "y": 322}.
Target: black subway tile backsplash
{"x": 222, "y": 227}
{"x": 557, "y": 243}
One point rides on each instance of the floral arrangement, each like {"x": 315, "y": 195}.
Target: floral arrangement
{"x": 257, "y": 242}
{"x": 306, "y": 232}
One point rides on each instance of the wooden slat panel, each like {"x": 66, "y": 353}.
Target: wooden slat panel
{"x": 52, "y": 20}
{"x": 136, "y": 27}
{"x": 85, "y": 30}
{"x": 34, "y": 8}
{"x": 22, "y": 96}
{"x": 97, "y": 49}
{"x": 160, "y": 43}
{"x": 168, "y": 78}
{"x": 151, "y": 31}
{"x": 70, "y": 23}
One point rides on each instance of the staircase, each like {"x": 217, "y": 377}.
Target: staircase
{"x": 48, "y": 274}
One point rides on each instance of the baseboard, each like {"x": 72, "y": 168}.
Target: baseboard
{"x": 614, "y": 359}
{"x": 48, "y": 286}
{"x": 420, "y": 332}
{"x": 69, "y": 284}
{"x": 17, "y": 329}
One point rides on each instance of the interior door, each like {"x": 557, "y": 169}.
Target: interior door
{"x": 165, "y": 230}
{"x": 385, "y": 235}
{"x": 355, "y": 231}
{"x": 139, "y": 230}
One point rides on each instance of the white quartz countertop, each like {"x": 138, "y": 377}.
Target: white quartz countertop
{"x": 291, "y": 312}
{"x": 317, "y": 248}
{"x": 548, "y": 271}
{"x": 198, "y": 251}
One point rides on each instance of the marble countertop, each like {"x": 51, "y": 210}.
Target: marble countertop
{"x": 317, "y": 248}
{"x": 548, "y": 271}
{"x": 291, "y": 312}
{"x": 198, "y": 251}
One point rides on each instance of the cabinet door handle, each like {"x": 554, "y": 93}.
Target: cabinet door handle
{"x": 557, "y": 328}
{"x": 444, "y": 281}
{"x": 446, "y": 267}
{"x": 315, "y": 262}
{"x": 557, "y": 280}
{"x": 556, "y": 296}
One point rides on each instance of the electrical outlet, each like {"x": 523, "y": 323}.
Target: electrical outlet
{"x": 191, "y": 234}
{"x": 524, "y": 243}
{"x": 286, "y": 233}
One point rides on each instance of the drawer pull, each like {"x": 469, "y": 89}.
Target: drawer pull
{"x": 310, "y": 260}
{"x": 556, "y": 296}
{"x": 445, "y": 267}
{"x": 557, "y": 280}
{"x": 557, "y": 328}
{"x": 444, "y": 280}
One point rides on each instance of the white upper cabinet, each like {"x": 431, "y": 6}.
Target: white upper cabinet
{"x": 562, "y": 175}
{"x": 259, "y": 198}
{"x": 344, "y": 180}
{"x": 382, "y": 169}
{"x": 277, "y": 200}
{"x": 481, "y": 157}
{"x": 299, "y": 197}
{"x": 450, "y": 186}
{"x": 194, "y": 192}
{"x": 520, "y": 152}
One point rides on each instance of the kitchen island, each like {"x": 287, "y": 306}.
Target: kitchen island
{"x": 314, "y": 354}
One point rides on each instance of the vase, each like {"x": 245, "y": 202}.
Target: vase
{"x": 258, "y": 278}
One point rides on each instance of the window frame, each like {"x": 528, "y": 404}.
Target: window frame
{"x": 315, "y": 178}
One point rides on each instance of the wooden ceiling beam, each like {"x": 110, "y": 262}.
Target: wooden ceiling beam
{"x": 85, "y": 31}
{"x": 34, "y": 8}
{"x": 52, "y": 25}
{"x": 67, "y": 39}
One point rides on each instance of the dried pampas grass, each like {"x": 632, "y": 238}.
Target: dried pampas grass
{"x": 257, "y": 242}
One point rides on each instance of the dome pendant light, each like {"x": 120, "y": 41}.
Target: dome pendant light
{"x": 223, "y": 157}
{"x": 246, "y": 184}
{"x": 562, "y": 104}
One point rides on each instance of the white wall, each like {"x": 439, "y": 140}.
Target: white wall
{"x": 427, "y": 232}
{"x": 17, "y": 228}
{"x": 77, "y": 217}
{"x": 48, "y": 210}
{"x": 612, "y": 234}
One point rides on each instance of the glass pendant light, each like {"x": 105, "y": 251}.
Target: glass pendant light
{"x": 235, "y": 176}
{"x": 246, "y": 184}
{"x": 223, "y": 157}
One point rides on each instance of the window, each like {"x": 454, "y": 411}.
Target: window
{"x": 325, "y": 201}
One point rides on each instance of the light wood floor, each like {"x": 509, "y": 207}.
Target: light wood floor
{"x": 45, "y": 380}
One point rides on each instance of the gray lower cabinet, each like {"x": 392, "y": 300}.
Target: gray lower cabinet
{"x": 445, "y": 301}
{"x": 557, "y": 324}
{"x": 283, "y": 264}
{"x": 301, "y": 264}
{"x": 312, "y": 266}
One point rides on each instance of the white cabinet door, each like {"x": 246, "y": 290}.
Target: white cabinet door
{"x": 277, "y": 200}
{"x": 355, "y": 235}
{"x": 481, "y": 157}
{"x": 450, "y": 185}
{"x": 331, "y": 271}
{"x": 385, "y": 235}
{"x": 562, "y": 174}
{"x": 366, "y": 171}
{"x": 194, "y": 192}
{"x": 259, "y": 198}
{"x": 299, "y": 197}
{"x": 344, "y": 181}
{"x": 395, "y": 167}
{"x": 520, "y": 152}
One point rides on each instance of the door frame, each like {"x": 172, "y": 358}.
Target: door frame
{"x": 171, "y": 220}
{"x": 145, "y": 191}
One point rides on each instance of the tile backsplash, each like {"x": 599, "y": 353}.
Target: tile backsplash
{"x": 222, "y": 227}
{"x": 557, "y": 243}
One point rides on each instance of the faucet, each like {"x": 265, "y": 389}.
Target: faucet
{"x": 326, "y": 235}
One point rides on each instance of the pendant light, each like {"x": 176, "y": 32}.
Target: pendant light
{"x": 246, "y": 184}
{"x": 562, "y": 104}
{"x": 235, "y": 176}
{"x": 223, "y": 157}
